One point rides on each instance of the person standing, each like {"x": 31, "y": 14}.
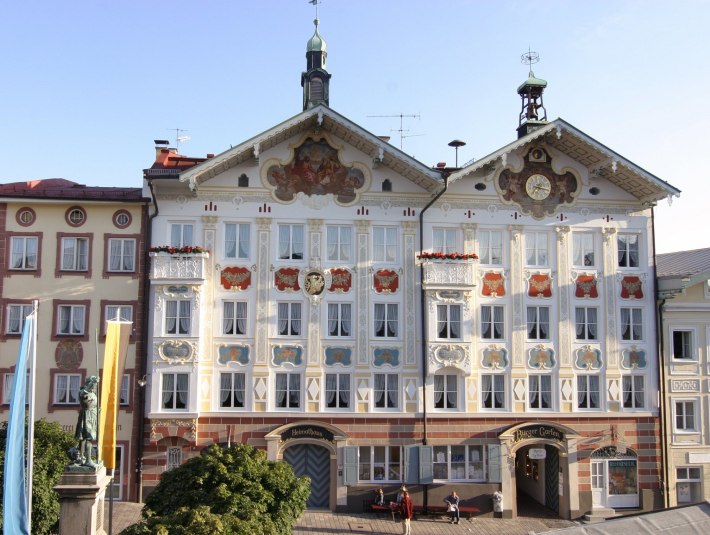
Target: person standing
{"x": 406, "y": 512}
{"x": 453, "y": 501}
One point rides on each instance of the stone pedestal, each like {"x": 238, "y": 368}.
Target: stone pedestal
{"x": 81, "y": 501}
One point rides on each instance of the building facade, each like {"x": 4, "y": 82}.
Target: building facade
{"x": 684, "y": 315}
{"x": 79, "y": 252}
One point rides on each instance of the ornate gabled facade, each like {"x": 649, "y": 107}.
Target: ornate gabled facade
{"x": 340, "y": 321}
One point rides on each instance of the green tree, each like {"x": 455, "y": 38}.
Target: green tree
{"x": 232, "y": 490}
{"x": 51, "y": 445}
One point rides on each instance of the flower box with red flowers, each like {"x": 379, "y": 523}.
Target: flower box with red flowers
{"x": 446, "y": 257}
{"x": 179, "y": 251}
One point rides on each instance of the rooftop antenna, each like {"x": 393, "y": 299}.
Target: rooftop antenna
{"x": 179, "y": 138}
{"x": 530, "y": 58}
{"x": 401, "y": 129}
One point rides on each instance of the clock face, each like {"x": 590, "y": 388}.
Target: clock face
{"x": 538, "y": 187}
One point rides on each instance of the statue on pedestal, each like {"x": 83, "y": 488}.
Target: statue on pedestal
{"x": 87, "y": 424}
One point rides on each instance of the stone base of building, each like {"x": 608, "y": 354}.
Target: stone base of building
{"x": 81, "y": 502}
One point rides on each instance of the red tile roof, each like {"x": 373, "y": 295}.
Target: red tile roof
{"x": 170, "y": 163}
{"x": 60, "y": 188}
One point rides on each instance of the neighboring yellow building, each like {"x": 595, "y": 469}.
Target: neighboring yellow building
{"x": 79, "y": 251}
{"x": 684, "y": 314}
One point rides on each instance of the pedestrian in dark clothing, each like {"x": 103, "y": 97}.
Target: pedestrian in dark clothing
{"x": 453, "y": 506}
{"x": 406, "y": 511}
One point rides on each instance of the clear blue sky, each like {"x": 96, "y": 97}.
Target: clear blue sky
{"x": 87, "y": 85}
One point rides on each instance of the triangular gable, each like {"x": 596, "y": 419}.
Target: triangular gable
{"x": 317, "y": 118}
{"x": 598, "y": 158}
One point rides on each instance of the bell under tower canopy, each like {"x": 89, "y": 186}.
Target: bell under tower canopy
{"x": 533, "y": 114}
{"x": 315, "y": 80}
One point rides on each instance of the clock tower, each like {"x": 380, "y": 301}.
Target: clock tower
{"x": 315, "y": 79}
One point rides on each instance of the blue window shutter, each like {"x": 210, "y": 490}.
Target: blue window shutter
{"x": 494, "y": 463}
{"x": 350, "y": 458}
{"x": 426, "y": 465}
{"x": 411, "y": 465}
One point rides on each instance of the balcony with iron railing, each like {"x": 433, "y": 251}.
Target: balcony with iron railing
{"x": 452, "y": 271}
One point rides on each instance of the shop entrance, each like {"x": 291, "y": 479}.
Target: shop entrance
{"x": 537, "y": 478}
{"x": 313, "y": 461}
{"x": 614, "y": 474}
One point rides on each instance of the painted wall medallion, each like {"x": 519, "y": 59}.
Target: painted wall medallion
{"x": 233, "y": 277}
{"x": 386, "y": 356}
{"x": 631, "y": 288}
{"x": 493, "y": 285}
{"x": 287, "y": 355}
{"x": 386, "y": 281}
{"x": 589, "y": 358}
{"x": 495, "y": 357}
{"x": 338, "y": 355}
{"x": 233, "y": 353}
{"x": 586, "y": 287}
{"x": 542, "y": 358}
{"x": 539, "y": 285}
{"x": 286, "y": 279}
{"x": 340, "y": 280}
{"x": 314, "y": 283}
{"x": 633, "y": 358}
{"x": 68, "y": 355}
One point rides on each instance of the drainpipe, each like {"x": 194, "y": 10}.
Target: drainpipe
{"x": 424, "y": 324}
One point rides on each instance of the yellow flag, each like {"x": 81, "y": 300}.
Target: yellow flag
{"x": 117, "y": 334}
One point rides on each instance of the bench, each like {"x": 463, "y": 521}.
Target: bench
{"x": 464, "y": 510}
{"x": 383, "y": 509}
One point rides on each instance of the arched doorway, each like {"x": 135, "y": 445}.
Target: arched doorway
{"x": 313, "y": 461}
{"x": 537, "y": 478}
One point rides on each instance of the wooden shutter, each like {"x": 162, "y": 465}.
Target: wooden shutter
{"x": 494, "y": 463}
{"x": 350, "y": 459}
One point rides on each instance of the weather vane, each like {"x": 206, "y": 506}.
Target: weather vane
{"x": 530, "y": 58}
{"x": 315, "y": 3}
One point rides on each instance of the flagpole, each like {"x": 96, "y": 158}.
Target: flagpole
{"x": 98, "y": 398}
{"x": 31, "y": 416}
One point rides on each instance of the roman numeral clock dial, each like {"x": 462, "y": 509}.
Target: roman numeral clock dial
{"x": 538, "y": 187}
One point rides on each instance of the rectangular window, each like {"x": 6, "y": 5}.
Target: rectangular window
{"x": 458, "y": 463}
{"x": 448, "y": 321}
{"x": 178, "y": 314}
{"x": 234, "y": 318}
{"x": 173, "y": 458}
{"x": 385, "y": 244}
{"x": 231, "y": 390}
{"x": 8, "y": 385}
{"x": 631, "y": 324}
{"x": 588, "y": 393}
{"x": 445, "y": 240}
{"x": 446, "y": 391}
{"x": 289, "y": 319}
{"x": 340, "y": 243}
{"x": 583, "y": 249}
{"x": 540, "y": 391}
{"x": 122, "y": 255}
{"x": 119, "y": 313}
{"x": 585, "y": 323}
{"x": 337, "y": 390}
{"x": 538, "y": 320}
{"x": 175, "y": 391}
{"x": 288, "y": 390}
{"x": 75, "y": 254}
{"x": 492, "y": 322}
{"x": 685, "y": 416}
{"x": 124, "y": 394}
{"x": 386, "y": 390}
{"x": 688, "y": 484}
{"x": 23, "y": 253}
{"x": 66, "y": 388}
{"x": 291, "y": 242}
{"x": 181, "y": 234}
{"x": 380, "y": 463}
{"x": 339, "y": 319}
{"x": 236, "y": 240}
{"x": 536, "y": 249}
{"x": 683, "y": 345}
{"x": 493, "y": 391}
{"x": 491, "y": 247}
{"x": 16, "y": 315}
{"x": 71, "y": 320}
{"x": 386, "y": 320}
{"x": 633, "y": 391}
{"x": 628, "y": 249}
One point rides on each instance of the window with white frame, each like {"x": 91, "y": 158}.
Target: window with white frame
{"x": 289, "y": 319}
{"x": 178, "y": 316}
{"x": 685, "y": 413}
{"x": 339, "y": 319}
{"x": 236, "y": 240}
{"x": 386, "y": 391}
{"x": 8, "y": 385}
{"x": 538, "y": 323}
{"x": 291, "y": 242}
{"x": 583, "y": 249}
{"x": 386, "y": 320}
{"x": 16, "y": 315}
{"x": 490, "y": 243}
{"x": 75, "y": 254}
{"x": 23, "y": 252}
{"x": 588, "y": 392}
{"x": 125, "y": 392}
{"x": 631, "y": 324}
{"x": 458, "y": 463}
{"x": 446, "y": 391}
{"x": 380, "y": 463}
{"x": 536, "y": 249}
{"x": 492, "y": 322}
{"x": 628, "y": 250}
{"x": 493, "y": 391}
{"x": 175, "y": 391}
{"x": 337, "y": 390}
{"x": 66, "y": 388}
{"x": 445, "y": 240}
{"x": 122, "y": 255}
{"x": 448, "y": 321}
{"x": 71, "y": 320}
{"x": 688, "y": 484}
{"x": 119, "y": 313}
{"x": 339, "y": 243}
{"x": 181, "y": 234}
{"x": 633, "y": 393}
{"x": 385, "y": 244}
{"x": 540, "y": 391}
{"x": 173, "y": 458}
{"x": 585, "y": 319}
{"x": 288, "y": 390}
{"x": 234, "y": 318}
{"x": 231, "y": 390}
{"x": 683, "y": 348}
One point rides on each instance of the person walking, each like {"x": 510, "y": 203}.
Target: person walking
{"x": 406, "y": 512}
{"x": 453, "y": 506}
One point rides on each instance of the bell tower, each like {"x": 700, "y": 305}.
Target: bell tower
{"x": 315, "y": 80}
{"x": 533, "y": 114}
